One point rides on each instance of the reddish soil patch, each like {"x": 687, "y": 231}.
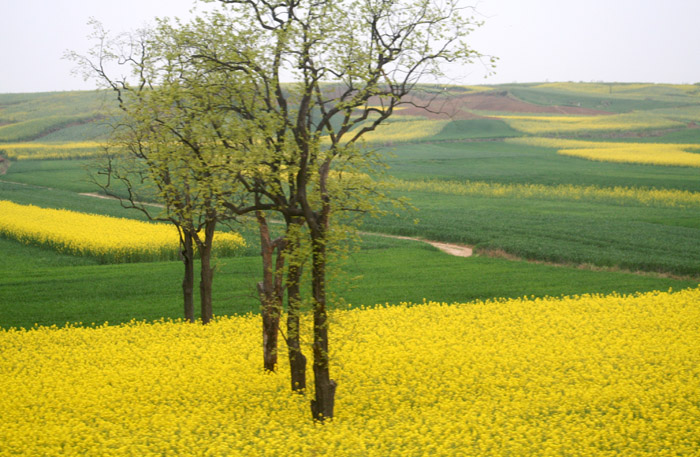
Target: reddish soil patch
{"x": 437, "y": 107}
{"x": 459, "y": 107}
{"x": 503, "y": 101}
{"x": 431, "y": 106}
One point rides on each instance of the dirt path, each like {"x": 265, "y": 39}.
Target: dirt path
{"x": 458, "y": 250}
{"x": 107, "y": 197}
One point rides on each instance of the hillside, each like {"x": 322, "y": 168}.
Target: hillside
{"x": 563, "y": 188}
{"x": 56, "y": 117}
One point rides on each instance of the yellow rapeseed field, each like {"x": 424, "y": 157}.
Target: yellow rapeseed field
{"x": 108, "y": 239}
{"x": 619, "y": 194}
{"x": 402, "y": 130}
{"x": 673, "y": 154}
{"x": 576, "y": 376}
{"x": 543, "y": 124}
{"x": 37, "y": 151}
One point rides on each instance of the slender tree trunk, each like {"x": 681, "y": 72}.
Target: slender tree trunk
{"x": 297, "y": 360}
{"x": 270, "y": 320}
{"x": 323, "y": 404}
{"x": 207, "y": 272}
{"x": 270, "y": 294}
{"x": 188, "y": 280}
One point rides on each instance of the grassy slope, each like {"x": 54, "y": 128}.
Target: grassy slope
{"x": 75, "y": 290}
{"x": 472, "y": 129}
{"x": 43, "y": 287}
{"x": 652, "y": 239}
{"x": 68, "y": 175}
{"x": 614, "y": 103}
{"x": 512, "y": 163}
{"x": 632, "y": 237}
{"x": 52, "y": 116}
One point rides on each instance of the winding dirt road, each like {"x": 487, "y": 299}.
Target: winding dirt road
{"x": 458, "y": 250}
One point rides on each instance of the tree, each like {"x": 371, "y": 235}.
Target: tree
{"x": 169, "y": 142}
{"x": 353, "y": 63}
{"x": 252, "y": 143}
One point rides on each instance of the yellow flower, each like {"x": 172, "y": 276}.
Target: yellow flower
{"x": 108, "y": 239}
{"x": 619, "y": 194}
{"x": 588, "y": 375}
{"x": 36, "y": 151}
{"x": 543, "y": 124}
{"x": 647, "y": 153}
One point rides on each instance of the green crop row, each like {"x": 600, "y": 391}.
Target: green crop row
{"x": 36, "y": 128}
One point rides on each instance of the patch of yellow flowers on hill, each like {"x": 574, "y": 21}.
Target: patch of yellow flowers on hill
{"x": 109, "y": 239}
{"x": 575, "y": 376}
{"x": 547, "y": 124}
{"x": 618, "y": 195}
{"x": 405, "y": 129}
{"x": 40, "y": 151}
{"x": 675, "y": 154}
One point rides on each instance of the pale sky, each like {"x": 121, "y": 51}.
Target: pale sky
{"x": 535, "y": 40}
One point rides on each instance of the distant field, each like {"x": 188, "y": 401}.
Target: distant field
{"x": 52, "y": 116}
{"x": 609, "y": 182}
{"x": 673, "y": 154}
{"x": 617, "y": 100}
{"x": 41, "y": 151}
{"x": 573, "y": 125}
{"x": 37, "y": 128}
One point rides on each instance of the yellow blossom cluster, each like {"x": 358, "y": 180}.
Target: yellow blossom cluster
{"x": 543, "y": 124}
{"x": 38, "y": 151}
{"x": 585, "y": 376}
{"x": 618, "y": 194}
{"x": 674, "y": 154}
{"x": 109, "y": 239}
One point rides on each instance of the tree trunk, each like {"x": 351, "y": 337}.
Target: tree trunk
{"x": 297, "y": 360}
{"x": 207, "y": 272}
{"x": 270, "y": 294}
{"x": 271, "y": 321}
{"x": 188, "y": 280}
{"x": 322, "y": 406}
